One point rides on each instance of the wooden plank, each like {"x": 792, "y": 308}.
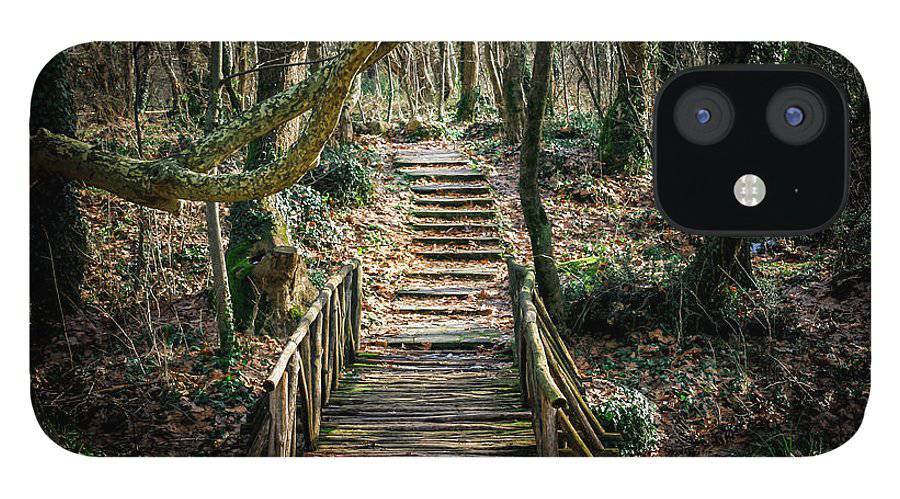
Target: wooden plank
{"x": 444, "y": 174}
{"x": 442, "y": 341}
{"x": 455, "y": 214}
{"x": 445, "y": 226}
{"x": 458, "y": 240}
{"x": 436, "y": 157}
{"x": 457, "y": 273}
{"x": 458, "y": 201}
{"x": 443, "y": 188}
{"x": 485, "y": 254}
{"x": 438, "y": 292}
{"x": 438, "y": 310}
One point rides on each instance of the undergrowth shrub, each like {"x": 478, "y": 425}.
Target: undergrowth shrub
{"x": 615, "y": 292}
{"x": 626, "y": 411}
{"x": 308, "y": 216}
{"x": 344, "y": 175}
{"x": 609, "y": 293}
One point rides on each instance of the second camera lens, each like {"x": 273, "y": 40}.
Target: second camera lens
{"x": 796, "y": 115}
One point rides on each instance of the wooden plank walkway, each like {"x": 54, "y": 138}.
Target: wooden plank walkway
{"x": 446, "y": 385}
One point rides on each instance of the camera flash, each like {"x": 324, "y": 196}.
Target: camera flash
{"x": 749, "y": 190}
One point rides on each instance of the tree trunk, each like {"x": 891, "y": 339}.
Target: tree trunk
{"x": 221, "y": 292}
{"x": 345, "y": 133}
{"x": 441, "y": 96}
{"x": 468, "y": 78}
{"x": 721, "y": 261}
{"x": 624, "y": 138}
{"x": 58, "y": 244}
{"x": 514, "y": 94}
{"x": 269, "y": 282}
{"x": 539, "y": 228}
{"x": 493, "y": 74}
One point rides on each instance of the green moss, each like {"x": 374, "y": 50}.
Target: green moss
{"x": 239, "y": 267}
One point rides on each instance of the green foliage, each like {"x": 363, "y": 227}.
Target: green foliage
{"x": 629, "y": 412}
{"x": 308, "y": 216}
{"x": 621, "y": 290}
{"x": 611, "y": 292}
{"x": 344, "y": 175}
{"x": 418, "y": 129}
{"x": 238, "y": 267}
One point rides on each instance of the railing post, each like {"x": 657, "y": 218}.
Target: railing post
{"x": 309, "y": 367}
{"x": 356, "y": 305}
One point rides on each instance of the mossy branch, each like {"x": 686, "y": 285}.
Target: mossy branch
{"x": 164, "y": 182}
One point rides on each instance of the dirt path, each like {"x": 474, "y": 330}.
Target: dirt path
{"x": 436, "y": 373}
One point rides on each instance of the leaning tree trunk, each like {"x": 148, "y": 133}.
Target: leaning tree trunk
{"x": 539, "y": 228}
{"x": 468, "y": 78}
{"x": 58, "y": 244}
{"x": 514, "y": 93}
{"x": 221, "y": 293}
{"x": 269, "y": 282}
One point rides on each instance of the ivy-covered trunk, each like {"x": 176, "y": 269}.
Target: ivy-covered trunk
{"x": 514, "y": 93}
{"x": 624, "y": 140}
{"x": 58, "y": 244}
{"x": 270, "y": 287}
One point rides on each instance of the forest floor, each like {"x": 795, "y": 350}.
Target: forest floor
{"x": 135, "y": 372}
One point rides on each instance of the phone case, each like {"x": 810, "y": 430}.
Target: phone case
{"x": 419, "y": 249}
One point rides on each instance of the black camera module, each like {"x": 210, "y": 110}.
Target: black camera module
{"x": 704, "y": 115}
{"x": 750, "y": 150}
{"x": 796, "y": 115}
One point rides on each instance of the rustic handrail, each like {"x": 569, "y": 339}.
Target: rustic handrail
{"x": 551, "y": 383}
{"x": 308, "y": 369}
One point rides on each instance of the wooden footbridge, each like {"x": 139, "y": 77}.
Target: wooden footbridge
{"x": 446, "y": 383}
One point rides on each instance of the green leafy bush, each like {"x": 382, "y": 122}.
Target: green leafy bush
{"x": 626, "y": 411}
{"x": 608, "y": 293}
{"x": 344, "y": 175}
{"x": 308, "y": 216}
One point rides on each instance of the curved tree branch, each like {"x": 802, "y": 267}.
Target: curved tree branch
{"x": 162, "y": 183}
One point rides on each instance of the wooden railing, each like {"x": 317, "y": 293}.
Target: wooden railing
{"x": 551, "y": 383}
{"x": 309, "y": 367}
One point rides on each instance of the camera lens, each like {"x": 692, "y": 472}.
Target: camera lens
{"x": 793, "y": 115}
{"x": 796, "y": 115}
{"x": 703, "y": 115}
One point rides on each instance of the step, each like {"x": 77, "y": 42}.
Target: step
{"x": 446, "y": 337}
{"x": 457, "y": 240}
{"x": 433, "y": 157}
{"x": 440, "y": 226}
{"x": 438, "y": 292}
{"x": 455, "y": 214}
{"x": 450, "y": 189}
{"x": 458, "y": 273}
{"x": 485, "y": 254}
{"x": 441, "y": 310}
{"x": 453, "y": 201}
{"x": 444, "y": 174}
